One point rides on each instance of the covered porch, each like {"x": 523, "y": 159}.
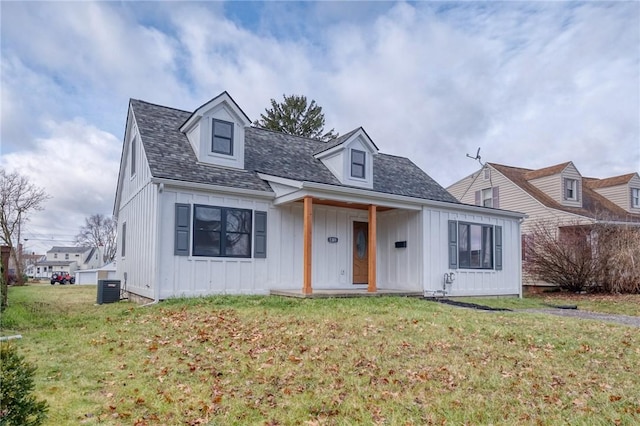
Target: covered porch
{"x": 347, "y": 241}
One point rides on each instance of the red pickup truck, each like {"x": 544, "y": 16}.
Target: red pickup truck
{"x": 62, "y": 278}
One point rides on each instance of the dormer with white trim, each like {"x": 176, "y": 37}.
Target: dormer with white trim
{"x": 350, "y": 158}
{"x": 216, "y": 132}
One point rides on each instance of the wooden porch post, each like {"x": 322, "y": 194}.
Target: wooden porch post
{"x": 372, "y": 249}
{"x": 308, "y": 224}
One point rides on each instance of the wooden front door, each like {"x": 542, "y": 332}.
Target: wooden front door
{"x": 360, "y": 252}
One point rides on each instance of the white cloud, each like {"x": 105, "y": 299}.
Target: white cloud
{"x": 77, "y": 166}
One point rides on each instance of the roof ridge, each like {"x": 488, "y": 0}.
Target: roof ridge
{"x": 158, "y": 105}
{"x": 289, "y": 134}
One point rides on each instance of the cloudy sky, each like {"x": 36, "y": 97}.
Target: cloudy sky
{"x": 533, "y": 84}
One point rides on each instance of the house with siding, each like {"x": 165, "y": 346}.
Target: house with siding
{"x": 557, "y": 196}
{"x": 207, "y": 204}
{"x": 68, "y": 259}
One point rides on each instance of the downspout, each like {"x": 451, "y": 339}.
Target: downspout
{"x": 520, "y": 221}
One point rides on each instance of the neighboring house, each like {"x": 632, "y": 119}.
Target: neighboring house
{"x": 69, "y": 259}
{"x": 207, "y": 204}
{"x": 92, "y": 276}
{"x": 30, "y": 261}
{"x": 558, "y": 195}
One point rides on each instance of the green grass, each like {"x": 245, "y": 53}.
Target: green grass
{"x": 271, "y": 360}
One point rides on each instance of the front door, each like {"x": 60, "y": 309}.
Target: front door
{"x": 360, "y": 253}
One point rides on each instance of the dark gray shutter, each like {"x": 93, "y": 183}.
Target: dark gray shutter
{"x": 478, "y": 200}
{"x": 183, "y": 223}
{"x": 453, "y": 244}
{"x": 498, "y": 248}
{"x": 260, "y": 235}
{"x": 496, "y": 197}
{"x": 578, "y": 182}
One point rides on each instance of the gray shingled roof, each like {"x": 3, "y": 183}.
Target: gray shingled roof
{"x": 73, "y": 249}
{"x": 170, "y": 156}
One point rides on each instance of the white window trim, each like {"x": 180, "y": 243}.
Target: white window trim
{"x": 231, "y": 139}
{"x": 364, "y": 165}
{"x": 635, "y": 198}
{"x": 574, "y": 189}
{"x": 484, "y": 198}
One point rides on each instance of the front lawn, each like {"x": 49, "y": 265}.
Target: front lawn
{"x": 270, "y": 360}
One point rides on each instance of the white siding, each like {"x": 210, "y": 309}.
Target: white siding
{"x": 470, "y": 282}
{"x": 139, "y": 261}
{"x": 400, "y": 268}
{"x": 199, "y": 276}
{"x": 283, "y": 267}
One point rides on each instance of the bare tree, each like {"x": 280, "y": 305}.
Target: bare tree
{"x": 99, "y": 231}
{"x": 18, "y": 198}
{"x": 598, "y": 257}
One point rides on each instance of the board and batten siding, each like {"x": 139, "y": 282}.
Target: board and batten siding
{"x": 189, "y": 276}
{"x": 400, "y": 267}
{"x": 137, "y": 209}
{"x": 470, "y": 282}
{"x": 283, "y": 266}
{"x": 139, "y": 213}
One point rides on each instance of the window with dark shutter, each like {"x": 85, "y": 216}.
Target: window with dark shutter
{"x": 260, "y": 235}
{"x": 183, "y": 223}
{"x": 221, "y": 231}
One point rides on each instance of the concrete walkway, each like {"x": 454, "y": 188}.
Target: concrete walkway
{"x": 577, "y": 313}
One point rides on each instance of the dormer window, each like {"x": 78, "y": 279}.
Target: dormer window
{"x": 635, "y": 198}
{"x": 222, "y": 137}
{"x": 358, "y": 159}
{"x": 570, "y": 189}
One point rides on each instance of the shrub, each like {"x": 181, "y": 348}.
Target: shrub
{"x": 598, "y": 257}
{"x": 17, "y": 404}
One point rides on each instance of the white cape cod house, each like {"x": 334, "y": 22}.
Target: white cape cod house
{"x": 207, "y": 204}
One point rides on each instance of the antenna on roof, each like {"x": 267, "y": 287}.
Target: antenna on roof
{"x": 477, "y": 157}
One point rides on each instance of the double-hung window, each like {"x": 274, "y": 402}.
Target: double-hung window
{"x": 571, "y": 189}
{"x": 221, "y": 231}
{"x": 222, "y": 137}
{"x": 635, "y": 198}
{"x": 487, "y": 197}
{"x": 358, "y": 159}
{"x": 475, "y": 246}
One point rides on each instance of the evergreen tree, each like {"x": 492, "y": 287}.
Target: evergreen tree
{"x": 295, "y": 116}
{"x": 18, "y": 405}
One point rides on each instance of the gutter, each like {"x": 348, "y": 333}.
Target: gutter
{"x": 216, "y": 188}
{"x": 409, "y": 200}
